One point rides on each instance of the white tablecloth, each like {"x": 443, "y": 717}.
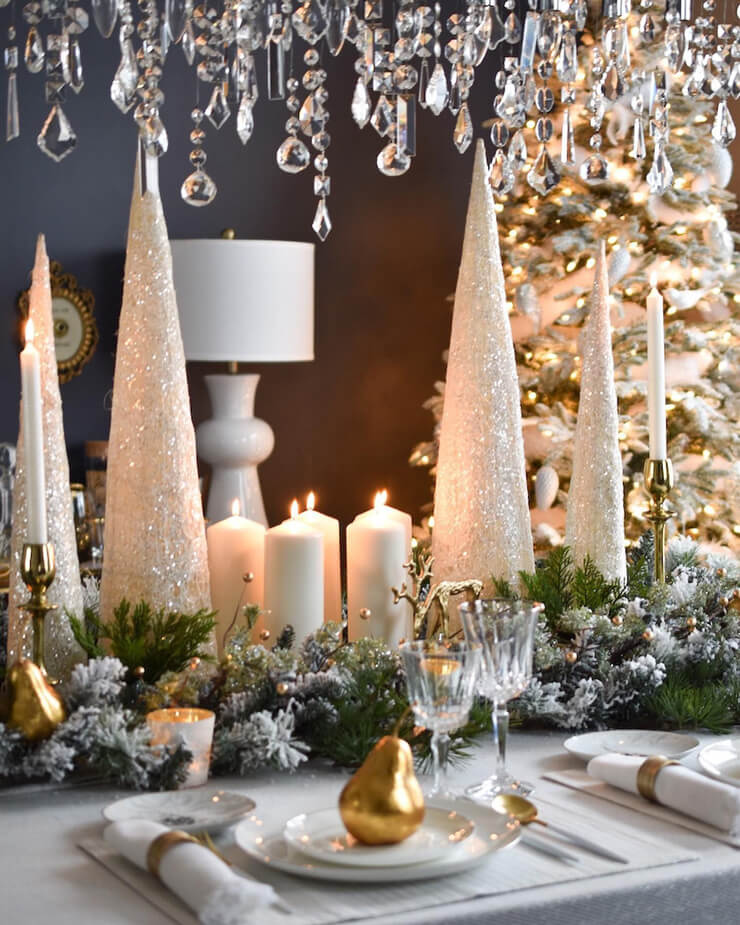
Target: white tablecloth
{"x": 44, "y": 877}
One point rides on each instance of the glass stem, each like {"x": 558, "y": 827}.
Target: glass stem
{"x": 500, "y": 723}
{"x": 440, "y": 750}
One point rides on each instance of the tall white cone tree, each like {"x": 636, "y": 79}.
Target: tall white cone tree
{"x": 61, "y": 650}
{"x": 595, "y": 519}
{"x": 155, "y": 544}
{"x": 481, "y": 511}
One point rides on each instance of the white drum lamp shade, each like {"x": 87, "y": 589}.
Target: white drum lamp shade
{"x": 248, "y": 302}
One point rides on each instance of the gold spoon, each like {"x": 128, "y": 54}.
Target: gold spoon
{"x": 526, "y": 812}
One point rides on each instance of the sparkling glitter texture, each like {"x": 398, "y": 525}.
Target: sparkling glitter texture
{"x": 61, "y": 652}
{"x": 595, "y": 520}
{"x": 481, "y": 512}
{"x": 155, "y": 544}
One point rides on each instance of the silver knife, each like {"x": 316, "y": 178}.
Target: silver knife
{"x": 546, "y": 847}
{"x": 585, "y": 843}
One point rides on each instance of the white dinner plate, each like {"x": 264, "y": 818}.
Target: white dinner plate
{"x": 189, "y": 810}
{"x": 323, "y": 835}
{"x": 266, "y": 843}
{"x": 630, "y": 742}
{"x": 721, "y": 760}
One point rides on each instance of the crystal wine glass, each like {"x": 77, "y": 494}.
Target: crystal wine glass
{"x": 505, "y": 631}
{"x": 441, "y": 680}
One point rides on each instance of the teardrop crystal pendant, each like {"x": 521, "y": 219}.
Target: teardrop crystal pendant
{"x": 510, "y": 105}
{"x": 57, "y": 137}
{"x": 361, "y": 103}
{"x": 244, "y": 120}
{"x": 154, "y": 135}
{"x": 437, "y": 93}
{"x": 292, "y": 155}
{"x": 612, "y": 85}
{"x": 176, "y": 17}
{"x": 338, "y": 14}
{"x": 660, "y": 175}
{"x": 594, "y": 169}
{"x": 12, "y": 122}
{"x": 393, "y": 162}
{"x": 674, "y": 47}
{"x": 105, "y": 14}
{"x": 198, "y": 189}
{"x": 638, "y": 140}
{"x": 567, "y": 140}
{"x": 463, "y": 133}
{"x": 723, "y": 129}
{"x": 517, "y": 150}
{"x": 188, "y": 42}
{"x": 218, "y": 110}
{"x": 544, "y": 175}
{"x": 384, "y": 118}
{"x": 321, "y": 221}
{"x": 34, "y": 52}
{"x": 123, "y": 87}
{"x": 501, "y": 174}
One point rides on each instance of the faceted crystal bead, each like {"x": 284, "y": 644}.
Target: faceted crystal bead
{"x": 544, "y": 174}
{"x": 312, "y": 116}
{"x": 218, "y": 110}
{"x": 393, "y": 162}
{"x": 501, "y": 174}
{"x": 154, "y": 135}
{"x": 12, "y": 121}
{"x": 123, "y": 87}
{"x": 660, "y": 175}
{"x": 512, "y": 29}
{"x": 75, "y": 20}
{"x": 34, "y": 51}
{"x": 463, "y": 133}
{"x": 321, "y": 221}
{"x": 543, "y": 130}
{"x": 361, "y": 103}
{"x": 723, "y": 129}
{"x": 567, "y": 141}
{"x": 309, "y": 21}
{"x": 57, "y": 137}
{"x": 499, "y": 133}
{"x": 383, "y": 119}
{"x": 244, "y": 120}
{"x": 321, "y": 185}
{"x": 595, "y": 169}
{"x": 437, "y": 94}
{"x": 198, "y": 189}
{"x": 405, "y": 77}
{"x": 544, "y": 99}
{"x": 517, "y": 151}
{"x": 293, "y": 156}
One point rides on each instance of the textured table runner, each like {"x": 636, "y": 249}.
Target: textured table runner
{"x": 325, "y": 903}
{"x": 580, "y": 780}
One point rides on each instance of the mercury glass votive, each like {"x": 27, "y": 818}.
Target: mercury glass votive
{"x": 191, "y": 727}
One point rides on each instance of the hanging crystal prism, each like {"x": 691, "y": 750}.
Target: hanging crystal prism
{"x": 57, "y": 137}
{"x": 361, "y": 104}
{"x": 437, "y": 94}
{"x": 276, "y": 74}
{"x": 463, "y": 133}
{"x": 660, "y": 175}
{"x": 218, "y": 110}
{"x": 723, "y": 128}
{"x": 337, "y": 22}
{"x": 176, "y": 14}
{"x": 510, "y": 105}
{"x": 34, "y": 51}
{"x": 77, "y": 80}
{"x": 105, "y": 14}
{"x": 638, "y": 150}
{"x": 501, "y": 174}
{"x": 517, "y": 152}
{"x": 406, "y": 123}
{"x": 244, "y": 119}
{"x": 198, "y": 189}
{"x": 384, "y": 118}
{"x": 423, "y": 83}
{"x": 567, "y": 140}
{"x": 188, "y": 43}
{"x": 123, "y": 87}
{"x": 543, "y": 175}
{"x": 674, "y": 46}
{"x": 12, "y": 121}
{"x": 322, "y": 222}
{"x": 529, "y": 41}
{"x": 567, "y": 62}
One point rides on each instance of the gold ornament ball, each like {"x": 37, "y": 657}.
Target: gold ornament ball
{"x": 571, "y": 657}
{"x": 365, "y": 613}
{"x": 264, "y": 635}
{"x": 617, "y": 620}
{"x": 281, "y": 688}
{"x": 721, "y": 572}
{"x": 691, "y": 622}
{"x": 194, "y": 662}
{"x": 228, "y": 657}
{"x": 139, "y": 671}
{"x": 648, "y": 635}
{"x": 247, "y": 577}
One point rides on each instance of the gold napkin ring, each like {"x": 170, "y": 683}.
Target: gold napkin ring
{"x": 648, "y": 773}
{"x": 162, "y": 844}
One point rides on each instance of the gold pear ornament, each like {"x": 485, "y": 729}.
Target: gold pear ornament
{"x": 382, "y": 803}
{"x": 35, "y": 707}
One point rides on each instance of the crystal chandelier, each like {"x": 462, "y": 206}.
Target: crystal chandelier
{"x": 408, "y": 55}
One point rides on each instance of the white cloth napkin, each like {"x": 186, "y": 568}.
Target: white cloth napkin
{"x": 217, "y": 894}
{"x": 677, "y": 787}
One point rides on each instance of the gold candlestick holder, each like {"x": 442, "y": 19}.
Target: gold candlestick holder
{"x": 38, "y": 568}
{"x": 659, "y": 482}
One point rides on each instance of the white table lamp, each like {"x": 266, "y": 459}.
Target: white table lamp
{"x": 241, "y": 302}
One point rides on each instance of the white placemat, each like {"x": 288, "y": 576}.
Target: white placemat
{"x": 516, "y": 868}
{"x": 580, "y": 780}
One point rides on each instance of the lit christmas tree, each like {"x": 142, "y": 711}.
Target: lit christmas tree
{"x": 549, "y": 245}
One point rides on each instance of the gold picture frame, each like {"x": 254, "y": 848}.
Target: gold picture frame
{"x": 75, "y": 328}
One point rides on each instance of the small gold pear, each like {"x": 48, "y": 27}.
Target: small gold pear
{"x": 35, "y": 707}
{"x": 382, "y": 802}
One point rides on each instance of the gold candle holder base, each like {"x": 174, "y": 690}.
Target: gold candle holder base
{"x": 659, "y": 482}
{"x": 38, "y": 568}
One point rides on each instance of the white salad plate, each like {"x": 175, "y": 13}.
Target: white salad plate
{"x": 722, "y": 760}
{"x": 188, "y": 810}
{"x": 265, "y": 842}
{"x": 630, "y": 742}
{"x": 322, "y": 835}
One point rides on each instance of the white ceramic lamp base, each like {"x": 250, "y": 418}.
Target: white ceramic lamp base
{"x": 234, "y": 443}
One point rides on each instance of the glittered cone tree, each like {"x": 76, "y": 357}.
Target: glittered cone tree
{"x": 155, "y": 545}
{"x": 62, "y": 652}
{"x": 594, "y": 526}
{"x": 481, "y": 516}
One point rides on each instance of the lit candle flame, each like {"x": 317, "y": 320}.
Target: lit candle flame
{"x": 381, "y": 497}
{"x": 294, "y": 509}
{"x": 235, "y": 508}
{"x": 653, "y": 279}
{"x": 310, "y": 501}
{"x": 29, "y": 331}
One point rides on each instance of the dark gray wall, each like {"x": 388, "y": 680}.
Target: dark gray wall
{"x": 344, "y": 424}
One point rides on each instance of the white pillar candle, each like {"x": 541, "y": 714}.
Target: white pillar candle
{"x": 329, "y": 527}
{"x": 376, "y": 553}
{"x": 406, "y": 521}
{"x": 656, "y": 374}
{"x": 33, "y": 440}
{"x": 236, "y": 547}
{"x": 294, "y": 577}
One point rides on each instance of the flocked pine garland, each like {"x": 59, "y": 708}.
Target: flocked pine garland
{"x": 607, "y": 655}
